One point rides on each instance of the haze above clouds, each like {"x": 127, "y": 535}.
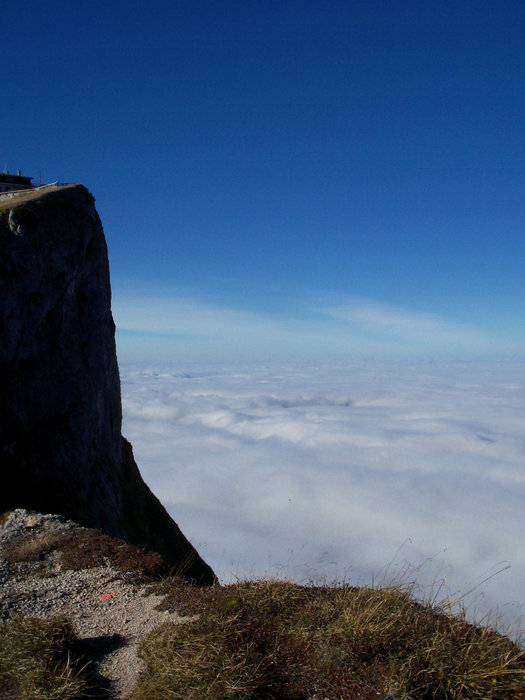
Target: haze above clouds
{"x": 327, "y": 471}
{"x": 171, "y": 326}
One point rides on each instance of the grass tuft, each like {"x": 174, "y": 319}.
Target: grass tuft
{"x": 274, "y": 639}
{"x": 37, "y": 661}
{"x": 4, "y": 517}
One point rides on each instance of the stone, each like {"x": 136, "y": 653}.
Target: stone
{"x": 61, "y": 448}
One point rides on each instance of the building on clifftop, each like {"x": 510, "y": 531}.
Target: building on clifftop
{"x": 10, "y": 182}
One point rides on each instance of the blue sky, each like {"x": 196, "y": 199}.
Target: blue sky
{"x": 286, "y": 179}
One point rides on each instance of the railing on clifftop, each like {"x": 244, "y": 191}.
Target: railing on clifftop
{"x": 19, "y": 193}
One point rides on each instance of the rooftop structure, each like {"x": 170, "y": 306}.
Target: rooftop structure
{"x": 9, "y": 182}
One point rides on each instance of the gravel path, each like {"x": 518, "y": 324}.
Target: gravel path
{"x": 110, "y": 612}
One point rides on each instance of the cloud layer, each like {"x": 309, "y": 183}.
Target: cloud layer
{"x": 335, "y": 471}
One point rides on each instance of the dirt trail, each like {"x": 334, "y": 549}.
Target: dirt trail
{"x": 110, "y": 612}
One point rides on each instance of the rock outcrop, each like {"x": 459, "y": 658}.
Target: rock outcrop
{"x": 61, "y": 449}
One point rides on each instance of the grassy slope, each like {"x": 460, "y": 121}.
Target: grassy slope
{"x": 267, "y": 639}
{"x": 275, "y": 639}
{"x": 8, "y": 202}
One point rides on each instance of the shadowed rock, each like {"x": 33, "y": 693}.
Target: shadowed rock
{"x": 61, "y": 449}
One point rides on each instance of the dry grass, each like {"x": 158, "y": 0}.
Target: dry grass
{"x": 27, "y": 196}
{"x": 86, "y": 548}
{"x": 4, "y": 517}
{"x": 271, "y": 639}
{"x": 267, "y": 639}
{"x": 37, "y": 661}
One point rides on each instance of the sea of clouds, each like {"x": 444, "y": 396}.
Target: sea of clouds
{"x": 360, "y": 471}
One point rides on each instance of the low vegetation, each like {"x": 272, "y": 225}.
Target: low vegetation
{"x": 264, "y": 639}
{"x": 12, "y": 202}
{"x": 38, "y": 661}
{"x": 86, "y": 548}
{"x": 274, "y": 639}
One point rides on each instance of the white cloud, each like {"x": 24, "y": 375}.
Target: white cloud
{"x": 327, "y": 470}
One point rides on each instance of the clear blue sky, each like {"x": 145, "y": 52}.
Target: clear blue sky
{"x": 286, "y": 178}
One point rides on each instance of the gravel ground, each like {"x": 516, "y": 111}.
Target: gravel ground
{"x": 110, "y": 612}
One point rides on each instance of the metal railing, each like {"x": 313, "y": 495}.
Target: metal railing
{"x": 19, "y": 193}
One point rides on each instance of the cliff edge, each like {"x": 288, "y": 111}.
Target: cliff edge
{"x": 61, "y": 448}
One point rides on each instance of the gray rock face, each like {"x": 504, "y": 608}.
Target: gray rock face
{"x": 61, "y": 449}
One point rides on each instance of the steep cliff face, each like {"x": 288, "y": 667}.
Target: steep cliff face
{"x": 61, "y": 448}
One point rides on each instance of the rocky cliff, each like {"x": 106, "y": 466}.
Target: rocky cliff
{"x": 61, "y": 449}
